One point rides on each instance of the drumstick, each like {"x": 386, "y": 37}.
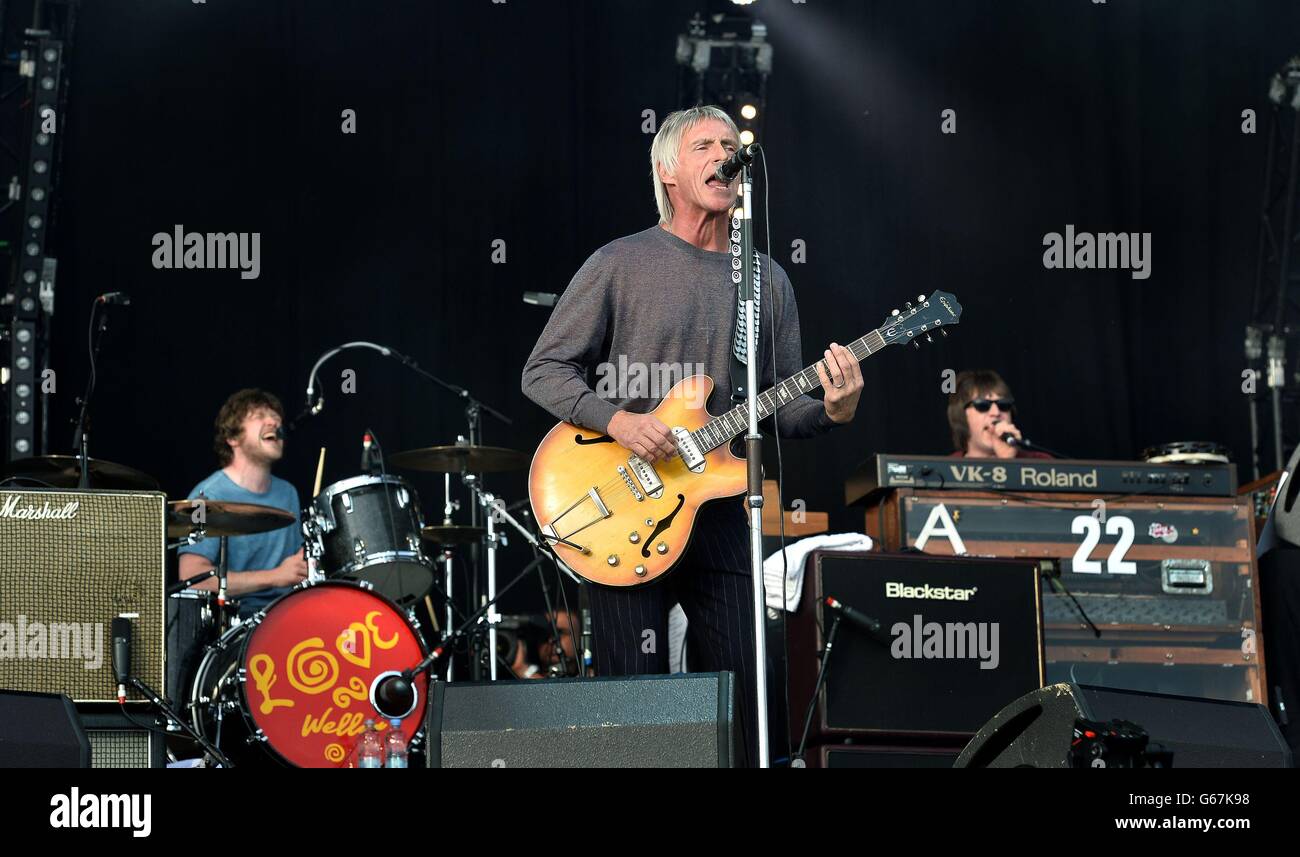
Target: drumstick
{"x": 320, "y": 471}
{"x": 428, "y": 603}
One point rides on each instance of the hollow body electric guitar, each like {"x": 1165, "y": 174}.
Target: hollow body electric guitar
{"x": 618, "y": 520}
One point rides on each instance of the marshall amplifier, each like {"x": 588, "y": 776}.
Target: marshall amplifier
{"x": 70, "y": 562}
{"x": 958, "y": 640}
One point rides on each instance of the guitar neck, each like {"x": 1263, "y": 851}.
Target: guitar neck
{"x": 720, "y": 430}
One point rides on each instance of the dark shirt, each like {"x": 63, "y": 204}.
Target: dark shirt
{"x": 655, "y": 300}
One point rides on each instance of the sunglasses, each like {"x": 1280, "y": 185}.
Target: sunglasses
{"x": 983, "y": 405}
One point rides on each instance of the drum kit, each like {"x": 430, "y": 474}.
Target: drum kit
{"x": 296, "y": 681}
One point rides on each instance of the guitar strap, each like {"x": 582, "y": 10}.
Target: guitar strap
{"x": 739, "y": 360}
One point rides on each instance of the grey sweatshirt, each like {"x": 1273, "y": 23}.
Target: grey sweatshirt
{"x": 655, "y": 300}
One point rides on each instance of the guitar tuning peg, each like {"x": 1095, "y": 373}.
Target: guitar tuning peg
{"x": 928, "y": 339}
{"x": 895, "y": 312}
{"x": 943, "y": 332}
{"x": 908, "y": 304}
{"x": 916, "y": 343}
{"x": 920, "y": 299}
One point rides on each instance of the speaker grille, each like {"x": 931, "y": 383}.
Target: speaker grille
{"x": 119, "y": 748}
{"x": 71, "y": 561}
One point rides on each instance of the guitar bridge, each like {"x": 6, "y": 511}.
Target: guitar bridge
{"x": 587, "y": 510}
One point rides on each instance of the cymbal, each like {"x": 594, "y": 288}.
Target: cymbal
{"x": 224, "y": 519}
{"x": 64, "y": 471}
{"x": 457, "y": 459}
{"x": 452, "y": 534}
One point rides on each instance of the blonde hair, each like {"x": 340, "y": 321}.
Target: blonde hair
{"x": 668, "y": 142}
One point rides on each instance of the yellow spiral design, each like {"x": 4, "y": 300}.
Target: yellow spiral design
{"x": 311, "y": 668}
{"x": 334, "y": 753}
{"x": 356, "y": 689}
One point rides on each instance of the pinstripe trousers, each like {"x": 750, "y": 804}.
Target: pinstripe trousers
{"x": 713, "y": 584}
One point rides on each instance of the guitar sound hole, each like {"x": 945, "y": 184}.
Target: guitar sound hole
{"x": 664, "y": 523}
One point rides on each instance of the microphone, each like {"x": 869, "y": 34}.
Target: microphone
{"x": 1011, "y": 440}
{"x": 122, "y": 655}
{"x": 864, "y": 622}
{"x": 280, "y": 433}
{"x": 540, "y": 298}
{"x": 743, "y": 157}
{"x": 366, "y": 442}
{"x": 121, "y": 298}
{"x": 393, "y": 695}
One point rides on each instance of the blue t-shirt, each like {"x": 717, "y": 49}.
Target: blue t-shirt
{"x": 259, "y": 551}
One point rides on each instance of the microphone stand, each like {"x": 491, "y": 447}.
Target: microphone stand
{"x": 473, "y": 416}
{"x": 744, "y": 222}
{"x": 83, "y": 419}
{"x": 821, "y": 680}
{"x": 1025, "y": 443}
{"x": 173, "y": 717}
{"x": 386, "y": 687}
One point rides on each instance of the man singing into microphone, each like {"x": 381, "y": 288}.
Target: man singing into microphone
{"x": 262, "y": 566}
{"x": 981, "y": 413}
{"x": 664, "y": 296}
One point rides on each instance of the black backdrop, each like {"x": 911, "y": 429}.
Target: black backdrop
{"x": 522, "y": 121}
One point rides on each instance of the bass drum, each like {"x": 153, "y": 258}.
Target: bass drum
{"x": 293, "y": 682}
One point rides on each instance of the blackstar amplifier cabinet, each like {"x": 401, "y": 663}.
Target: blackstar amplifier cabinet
{"x": 959, "y": 638}
{"x": 70, "y": 562}
{"x": 1155, "y": 594}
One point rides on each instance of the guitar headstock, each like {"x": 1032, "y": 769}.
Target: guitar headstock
{"x": 940, "y": 310}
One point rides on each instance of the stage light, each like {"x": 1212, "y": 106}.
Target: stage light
{"x": 746, "y": 137}
{"x": 742, "y": 2}
{"x": 749, "y": 111}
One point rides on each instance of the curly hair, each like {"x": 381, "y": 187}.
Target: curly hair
{"x": 230, "y": 419}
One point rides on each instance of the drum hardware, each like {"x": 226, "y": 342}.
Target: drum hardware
{"x": 461, "y": 458}
{"x": 496, "y": 511}
{"x": 220, "y": 518}
{"x": 64, "y": 471}
{"x": 392, "y": 693}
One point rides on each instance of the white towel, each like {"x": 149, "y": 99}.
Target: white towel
{"x": 795, "y": 555}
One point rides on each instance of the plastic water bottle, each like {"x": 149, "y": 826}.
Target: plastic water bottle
{"x": 395, "y": 745}
{"x": 370, "y": 749}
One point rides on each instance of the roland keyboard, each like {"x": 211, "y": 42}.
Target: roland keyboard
{"x": 1039, "y": 475}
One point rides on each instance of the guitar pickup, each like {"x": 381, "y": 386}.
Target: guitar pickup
{"x": 645, "y": 474}
{"x": 587, "y": 510}
{"x": 689, "y": 450}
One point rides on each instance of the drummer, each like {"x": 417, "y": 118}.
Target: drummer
{"x": 265, "y": 565}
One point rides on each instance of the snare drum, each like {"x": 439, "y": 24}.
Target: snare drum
{"x": 368, "y": 528}
{"x": 295, "y": 680}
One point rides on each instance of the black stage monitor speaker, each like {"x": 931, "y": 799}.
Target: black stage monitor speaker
{"x": 1036, "y": 730}
{"x": 41, "y": 730}
{"x": 850, "y": 756}
{"x": 682, "y": 721}
{"x": 959, "y": 638}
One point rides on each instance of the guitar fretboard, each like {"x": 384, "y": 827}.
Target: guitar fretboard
{"x": 720, "y": 430}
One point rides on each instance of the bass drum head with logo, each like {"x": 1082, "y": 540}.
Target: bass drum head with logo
{"x": 299, "y": 675}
